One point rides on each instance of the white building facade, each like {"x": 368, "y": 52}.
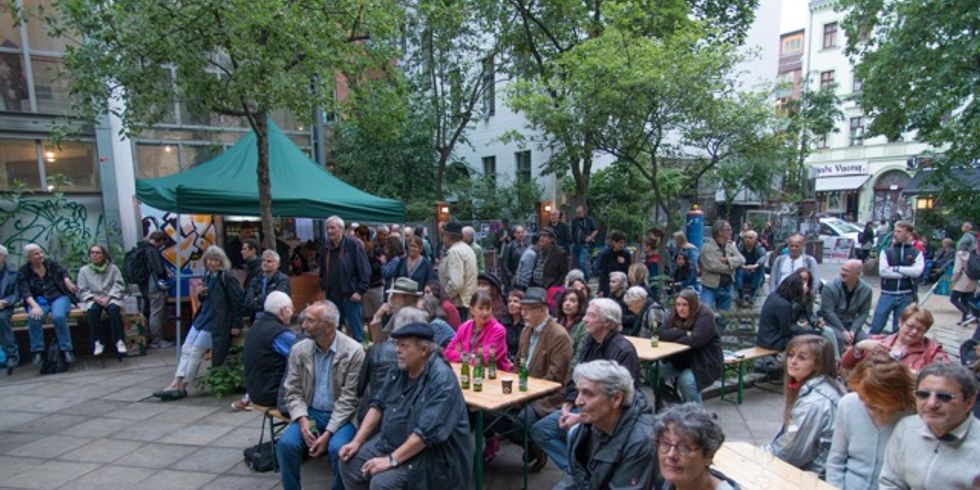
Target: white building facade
{"x": 857, "y": 178}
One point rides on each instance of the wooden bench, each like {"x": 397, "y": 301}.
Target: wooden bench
{"x": 20, "y": 316}
{"x": 737, "y": 362}
{"x": 277, "y": 423}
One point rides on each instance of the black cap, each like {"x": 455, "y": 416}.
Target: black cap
{"x": 418, "y": 330}
{"x": 535, "y": 296}
{"x": 492, "y": 279}
{"x": 453, "y": 227}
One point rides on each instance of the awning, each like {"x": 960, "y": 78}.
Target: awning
{"x": 923, "y": 182}
{"x": 845, "y": 183}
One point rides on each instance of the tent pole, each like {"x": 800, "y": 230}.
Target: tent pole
{"x": 180, "y": 342}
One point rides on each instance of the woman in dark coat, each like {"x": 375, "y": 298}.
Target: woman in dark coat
{"x": 414, "y": 265}
{"x": 692, "y": 324}
{"x": 217, "y": 319}
{"x": 787, "y": 313}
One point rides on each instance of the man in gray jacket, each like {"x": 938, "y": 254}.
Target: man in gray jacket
{"x": 845, "y": 304}
{"x": 788, "y": 264}
{"x": 321, "y": 394}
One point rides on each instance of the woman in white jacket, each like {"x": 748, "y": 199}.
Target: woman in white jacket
{"x": 101, "y": 289}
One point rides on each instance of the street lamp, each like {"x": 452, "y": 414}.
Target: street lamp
{"x": 924, "y": 202}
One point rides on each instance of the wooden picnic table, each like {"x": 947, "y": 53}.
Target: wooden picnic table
{"x": 492, "y": 398}
{"x": 647, "y": 353}
{"x": 756, "y": 469}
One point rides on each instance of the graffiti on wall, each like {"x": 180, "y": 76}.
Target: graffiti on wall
{"x": 190, "y": 235}
{"x": 45, "y": 220}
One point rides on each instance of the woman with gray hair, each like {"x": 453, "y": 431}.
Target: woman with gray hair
{"x": 218, "y": 318}
{"x": 45, "y": 288}
{"x": 618, "y": 284}
{"x": 687, "y": 438}
{"x": 611, "y": 449}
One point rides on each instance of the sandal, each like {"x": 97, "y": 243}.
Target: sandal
{"x": 240, "y": 406}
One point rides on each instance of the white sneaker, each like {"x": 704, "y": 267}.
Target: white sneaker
{"x": 98, "y": 348}
{"x": 120, "y": 347}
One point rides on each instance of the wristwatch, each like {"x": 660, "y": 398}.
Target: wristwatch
{"x": 392, "y": 461}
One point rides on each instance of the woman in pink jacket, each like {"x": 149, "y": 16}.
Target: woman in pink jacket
{"x": 909, "y": 346}
{"x": 482, "y": 330}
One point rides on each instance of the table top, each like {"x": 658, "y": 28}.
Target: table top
{"x": 755, "y": 468}
{"x": 647, "y": 353}
{"x": 493, "y": 398}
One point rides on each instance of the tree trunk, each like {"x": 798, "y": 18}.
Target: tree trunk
{"x": 441, "y": 174}
{"x": 265, "y": 183}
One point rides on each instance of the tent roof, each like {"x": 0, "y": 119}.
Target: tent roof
{"x": 228, "y": 185}
{"x": 923, "y": 182}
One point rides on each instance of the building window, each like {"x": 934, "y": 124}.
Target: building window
{"x": 857, "y": 131}
{"x": 792, "y": 45}
{"x": 19, "y": 162}
{"x": 830, "y": 35}
{"x": 856, "y": 84}
{"x": 490, "y": 170}
{"x": 826, "y": 79}
{"x": 75, "y": 162}
{"x": 489, "y": 91}
{"x": 36, "y": 164}
{"x": 821, "y": 141}
{"x": 523, "y": 160}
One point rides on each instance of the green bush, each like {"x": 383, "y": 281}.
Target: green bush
{"x": 226, "y": 379}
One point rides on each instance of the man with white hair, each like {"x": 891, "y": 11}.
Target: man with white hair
{"x": 268, "y": 280}
{"x": 469, "y": 235}
{"x": 8, "y": 300}
{"x": 603, "y": 341}
{"x": 266, "y": 351}
{"x": 321, "y": 393}
{"x": 345, "y": 275}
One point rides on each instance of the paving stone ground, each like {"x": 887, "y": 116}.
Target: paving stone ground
{"x": 97, "y": 427}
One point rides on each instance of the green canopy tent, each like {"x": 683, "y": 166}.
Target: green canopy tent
{"x": 301, "y": 188}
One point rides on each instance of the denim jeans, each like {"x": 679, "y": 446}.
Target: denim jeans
{"x": 889, "y": 303}
{"x": 718, "y": 299}
{"x": 290, "y": 449}
{"x": 552, "y": 439}
{"x": 685, "y": 381}
{"x": 352, "y": 312}
{"x": 754, "y": 279}
{"x": 581, "y": 254}
{"x": 59, "y": 309}
{"x": 7, "y": 340}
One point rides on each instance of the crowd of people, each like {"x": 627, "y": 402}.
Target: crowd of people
{"x": 862, "y": 409}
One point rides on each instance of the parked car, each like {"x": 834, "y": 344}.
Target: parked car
{"x": 832, "y": 229}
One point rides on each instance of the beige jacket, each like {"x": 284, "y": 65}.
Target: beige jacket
{"x": 91, "y": 284}
{"x": 345, "y": 371}
{"x": 960, "y": 281}
{"x": 457, "y": 273}
{"x": 711, "y": 265}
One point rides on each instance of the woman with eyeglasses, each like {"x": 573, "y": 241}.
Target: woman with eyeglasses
{"x": 101, "y": 289}
{"x": 881, "y": 396}
{"x": 812, "y": 393}
{"x": 909, "y": 345}
{"x": 611, "y": 448}
{"x": 687, "y": 437}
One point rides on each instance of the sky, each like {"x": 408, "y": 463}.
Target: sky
{"x": 793, "y": 15}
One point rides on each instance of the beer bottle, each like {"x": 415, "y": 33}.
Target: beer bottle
{"x": 464, "y": 372}
{"x": 492, "y": 364}
{"x": 478, "y": 372}
{"x": 522, "y": 374}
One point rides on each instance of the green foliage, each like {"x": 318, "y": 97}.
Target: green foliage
{"x": 917, "y": 61}
{"x": 814, "y": 115}
{"x": 477, "y": 198}
{"x": 226, "y": 379}
{"x": 620, "y": 198}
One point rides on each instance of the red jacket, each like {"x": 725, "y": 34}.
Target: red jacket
{"x": 915, "y": 358}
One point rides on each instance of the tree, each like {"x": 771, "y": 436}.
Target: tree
{"x": 547, "y": 31}
{"x": 620, "y": 199}
{"x": 235, "y": 58}
{"x": 918, "y": 64}
{"x": 811, "y": 117}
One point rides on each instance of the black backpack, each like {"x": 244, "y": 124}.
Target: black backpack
{"x": 54, "y": 362}
{"x": 136, "y": 269}
{"x": 972, "y": 268}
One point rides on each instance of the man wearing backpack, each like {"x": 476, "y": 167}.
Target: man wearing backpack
{"x": 149, "y": 265}
{"x": 898, "y": 266}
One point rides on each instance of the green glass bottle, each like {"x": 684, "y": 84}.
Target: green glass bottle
{"x": 478, "y": 372}
{"x": 492, "y": 364}
{"x": 522, "y": 374}
{"x": 464, "y": 372}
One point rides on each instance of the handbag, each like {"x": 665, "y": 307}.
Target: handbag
{"x": 258, "y": 458}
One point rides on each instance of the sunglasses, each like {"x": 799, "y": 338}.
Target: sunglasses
{"x": 941, "y": 396}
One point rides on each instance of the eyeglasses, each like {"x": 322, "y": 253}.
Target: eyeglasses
{"x": 917, "y": 328}
{"x": 682, "y": 448}
{"x": 940, "y": 395}
{"x": 95, "y": 252}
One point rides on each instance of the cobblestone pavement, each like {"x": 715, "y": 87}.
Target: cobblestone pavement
{"x": 96, "y": 427}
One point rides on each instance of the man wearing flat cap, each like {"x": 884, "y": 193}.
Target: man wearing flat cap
{"x": 424, "y": 438}
{"x": 547, "y": 347}
{"x": 551, "y": 263}
{"x": 458, "y": 269}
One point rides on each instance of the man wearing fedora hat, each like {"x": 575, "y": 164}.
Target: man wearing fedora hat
{"x": 458, "y": 269}
{"x": 547, "y": 348}
{"x": 404, "y": 292}
{"x": 423, "y": 438}
{"x": 551, "y": 263}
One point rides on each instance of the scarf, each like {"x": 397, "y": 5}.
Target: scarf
{"x": 99, "y": 269}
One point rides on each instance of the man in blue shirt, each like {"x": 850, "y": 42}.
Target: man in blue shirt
{"x": 321, "y": 393}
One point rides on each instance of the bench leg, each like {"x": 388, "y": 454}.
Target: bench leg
{"x": 741, "y": 371}
{"x": 724, "y": 371}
